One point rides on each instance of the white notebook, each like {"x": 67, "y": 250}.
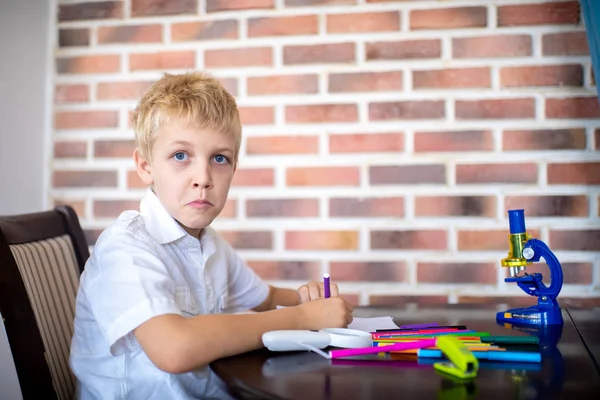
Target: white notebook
{"x": 372, "y": 324}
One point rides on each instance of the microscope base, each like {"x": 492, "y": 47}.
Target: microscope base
{"x": 534, "y": 315}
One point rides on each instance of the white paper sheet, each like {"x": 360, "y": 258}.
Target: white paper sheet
{"x": 372, "y": 324}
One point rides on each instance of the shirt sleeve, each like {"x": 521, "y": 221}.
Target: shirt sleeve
{"x": 128, "y": 285}
{"x": 245, "y": 288}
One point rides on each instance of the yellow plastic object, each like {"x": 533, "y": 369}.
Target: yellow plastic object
{"x": 461, "y": 362}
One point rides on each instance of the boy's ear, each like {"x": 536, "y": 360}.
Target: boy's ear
{"x": 143, "y": 167}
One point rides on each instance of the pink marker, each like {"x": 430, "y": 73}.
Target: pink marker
{"x": 417, "y": 344}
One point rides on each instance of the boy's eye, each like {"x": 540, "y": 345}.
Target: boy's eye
{"x": 221, "y": 159}
{"x": 180, "y": 156}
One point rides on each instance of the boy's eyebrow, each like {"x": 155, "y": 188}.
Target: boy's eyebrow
{"x": 185, "y": 143}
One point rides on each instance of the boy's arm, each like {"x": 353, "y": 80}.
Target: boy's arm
{"x": 177, "y": 344}
{"x": 279, "y": 297}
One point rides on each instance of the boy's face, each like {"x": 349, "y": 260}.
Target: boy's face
{"x": 191, "y": 172}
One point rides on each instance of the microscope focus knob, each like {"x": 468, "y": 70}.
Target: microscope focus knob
{"x": 528, "y": 253}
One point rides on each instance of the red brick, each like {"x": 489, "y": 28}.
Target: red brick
{"x": 462, "y": 78}
{"x": 495, "y": 109}
{"x": 363, "y": 22}
{"x": 283, "y": 26}
{"x": 546, "y": 75}
{"x": 230, "y": 84}
{"x": 321, "y": 240}
{"x": 581, "y": 173}
{"x": 93, "y": 64}
{"x": 319, "y": 53}
{"x": 257, "y": 115}
{"x": 206, "y": 30}
{"x": 122, "y": 90}
{"x": 487, "y": 240}
{"x": 399, "y": 110}
{"x": 71, "y": 93}
{"x": 282, "y": 145}
{"x": 134, "y": 181}
{"x": 369, "y": 271}
{"x": 321, "y": 113}
{"x": 77, "y": 205}
{"x": 113, "y": 208}
{"x": 455, "y": 206}
{"x": 228, "y": 5}
{"x": 184, "y": 59}
{"x": 74, "y": 178}
{"x": 575, "y": 240}
{"x": 449, "y": 18}
{"x": 243, "y": 57}
{"x": 549, "y": 205}
{"x": 544, "y": 139}
{"x": 144, "y": 8}
{"x": 492, "y": 46}
{"x": 304, "y": 271}
{"x": 282, "y": 208}
{"x": 114, "y": 148}
{"x": 539, "y": 14}
{"x": 448, "y": 141}
{"x": 90, "y": 10}
{"x": 322, "y": 176}
{"x": 130, "y": 34}
{"x": 366, "y": 207}
{"x": 230, "y": 209}
{"x": 308, "y": 3}
{"x": 497, "y": 173}
{"x": 366, "y": 142}
{"x": 366, "y": 82}
{"x": 254, "y": 177}
{"x": 425, "y": 239}
{"x": 73, "y": 37}
{"x": 573, "y": 107}
{"x": 565, "y": 44}
{"x": 250, "y": 240}
{"x": 86, "y": 119}
{"x": 404, "y": 49}
{"x": 407, "y": 174}
{"x": 484, "y": 240}
{"x": 459, "y": 272}
{"x": 70, "y": 149}
{"x": 283, "y": 84}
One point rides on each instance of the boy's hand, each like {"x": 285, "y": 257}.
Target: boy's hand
{"x": 334, "y": 312}
{"x": 314, "y": 290}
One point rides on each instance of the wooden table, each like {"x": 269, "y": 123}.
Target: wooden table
{"x": 569, "y": 369}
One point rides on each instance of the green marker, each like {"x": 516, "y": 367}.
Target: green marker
{"x": 510, "y": 339}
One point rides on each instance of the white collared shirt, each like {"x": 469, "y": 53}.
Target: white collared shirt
{"x": 142, "y": 266}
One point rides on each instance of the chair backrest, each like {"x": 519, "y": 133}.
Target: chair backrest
{"x": 42, "y": 256}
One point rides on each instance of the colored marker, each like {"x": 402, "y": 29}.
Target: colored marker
{"x": 417, "y": 344}
{"x": 512, "y": 339}
{"x": 514, "y": 356}
{"x": 413, "y": 326}
{"x": 408, "y": 328}
{"x": 326, "y": 287}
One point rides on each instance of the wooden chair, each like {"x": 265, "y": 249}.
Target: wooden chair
{"x": 42, "y": 256}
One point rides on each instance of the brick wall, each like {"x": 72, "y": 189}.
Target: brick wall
{"x": 383, "y": 140}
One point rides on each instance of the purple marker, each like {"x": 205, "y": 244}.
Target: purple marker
{"x": 419, "y": 326}
{"x": 326, "y": 285}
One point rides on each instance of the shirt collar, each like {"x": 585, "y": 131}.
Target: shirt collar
{"x": 159, "y": 223}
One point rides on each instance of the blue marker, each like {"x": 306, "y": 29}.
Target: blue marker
{"x": 513, "y": 356}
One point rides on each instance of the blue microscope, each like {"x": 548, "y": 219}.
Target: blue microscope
{"x": 524, "y": 250}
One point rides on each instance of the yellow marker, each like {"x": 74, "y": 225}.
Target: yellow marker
{"x": 462, "y": 363}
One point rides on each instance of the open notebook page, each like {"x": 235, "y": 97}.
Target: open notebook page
{"x": 370, "y": 324}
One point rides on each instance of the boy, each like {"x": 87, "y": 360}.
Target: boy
{"x": 150, "y": 302}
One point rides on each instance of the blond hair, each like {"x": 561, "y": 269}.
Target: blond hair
{"x": 196, "y": 99}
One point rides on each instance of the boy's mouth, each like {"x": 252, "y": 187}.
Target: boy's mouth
{"x": 200, "y": 203}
